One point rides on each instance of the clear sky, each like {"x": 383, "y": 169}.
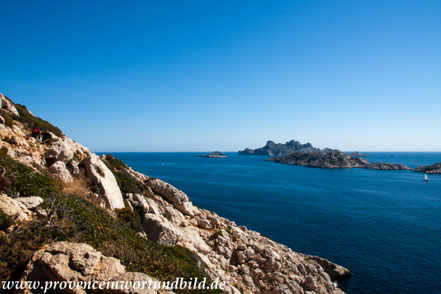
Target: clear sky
{"x": 225, "y": 75}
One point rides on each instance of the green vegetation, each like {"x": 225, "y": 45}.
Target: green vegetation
{"x": 5, "y": 221}
{"x": 8, "y": 118}
{"x": 130, "y": 217}
{"x": 78, "y": 220}
{"x": 126, "y": 182}
{"x": 21, "y": 180}
{"x": 29, "y": 121}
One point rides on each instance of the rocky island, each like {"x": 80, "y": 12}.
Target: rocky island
{"x": 334, "y": 159}
{"x": 67, "y": 214}
{"x": 279, "y": 149}
{"x": 215, "y": 154}
{"x": 429, "y": 169}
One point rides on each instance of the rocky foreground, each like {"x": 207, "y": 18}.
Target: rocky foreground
{"x": 90, "y": 202}
{"x": 333, "y": 160}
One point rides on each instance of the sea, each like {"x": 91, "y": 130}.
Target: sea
{"x": 385, "y": 226}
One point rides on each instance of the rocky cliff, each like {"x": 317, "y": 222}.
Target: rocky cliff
{"x": 279, "y": 149}
{"x": 114, "y": 221}
{"x": 334, "y": 159}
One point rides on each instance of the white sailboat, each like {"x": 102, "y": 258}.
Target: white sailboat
{"x": 425, "y": 178}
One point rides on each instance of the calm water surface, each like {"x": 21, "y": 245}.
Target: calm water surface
{"x": 385, "y": 226}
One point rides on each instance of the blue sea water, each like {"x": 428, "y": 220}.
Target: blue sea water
{"x": 385, "y": 226}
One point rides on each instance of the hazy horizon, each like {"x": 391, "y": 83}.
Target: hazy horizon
{"x": 177, "y": 77}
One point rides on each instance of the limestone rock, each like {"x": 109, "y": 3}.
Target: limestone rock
{"x": 335, "y": 271}
{"x": 65, "y": 261}
{"x": 60, "y": 170}
{"x": 176, "y": 197}
{"x": 61, "y": 150}
{"x": 102, "y": 176}
{"x": 160, "y": 230}
{"x": 12, "y": 207}
{"x": 7, "y": 105}
{"x": 30, "y": 202}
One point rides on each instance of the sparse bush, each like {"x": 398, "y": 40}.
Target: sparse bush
{"x": 5, "y": 221}
{"x": 8, "y": 118}
{"x": 126, "y": 182}
{"x": 29, "y": 120}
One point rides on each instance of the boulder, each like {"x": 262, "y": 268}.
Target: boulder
{"x": 160, "y": 230}
{"x": 336, "y": 272}
{"x": 30, "y": 202}
{"x": 61, "y": 150}
{"x": 14, "y": 208}
{"x": 79, "y": 262}
{"x": 100, "y": 174}
{"x": 176, "y": 197}
{"x": 7, "y": 105}
{"x": 60, "y": 170}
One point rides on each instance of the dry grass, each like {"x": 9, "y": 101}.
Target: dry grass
{"x": 79, "y": 187}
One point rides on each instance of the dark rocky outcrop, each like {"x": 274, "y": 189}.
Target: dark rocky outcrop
{"x": 279, "y": 149}
{"x": 429, "y": 169}
{"x": 215, "y": 154}
{"x": 386, "y": 166}
{"x": 334, "y": 159}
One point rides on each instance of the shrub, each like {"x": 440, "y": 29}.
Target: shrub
{"x": 30, "y": 120}
{"x": 8, "y": 118}
{"x": 126, "y": 182}
{"x": 19, "y": 179}
{"x": 5, "y": 221}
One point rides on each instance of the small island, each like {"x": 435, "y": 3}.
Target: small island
{"x": 429, "y": 169}
{"x": 214, "y": 154}
{"x": 334, "y": 160}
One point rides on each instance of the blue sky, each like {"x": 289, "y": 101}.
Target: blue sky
{"x": 225, "y": 75}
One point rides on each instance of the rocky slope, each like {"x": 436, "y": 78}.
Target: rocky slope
{"x": 279, "y": 149}
{"x": 125, "y": 214}
{"x": 334, "y": 159}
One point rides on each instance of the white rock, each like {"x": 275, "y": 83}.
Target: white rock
{"x": 65, "y": 261}
{"x": 176, "y": 197}
{"x": 7, "y": 105}
{"x": 193, "y": 241}
{"x": 30, "y": 202}
{"x": 160, "y": 230}
{"x": 60, "y": 170}
{"x": 100, "y": 174}
{"x": 12, "y": 207}
{"x": 61, "y": 150}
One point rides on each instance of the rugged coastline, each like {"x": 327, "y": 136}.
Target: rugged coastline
{"x": 102, "y": 219}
